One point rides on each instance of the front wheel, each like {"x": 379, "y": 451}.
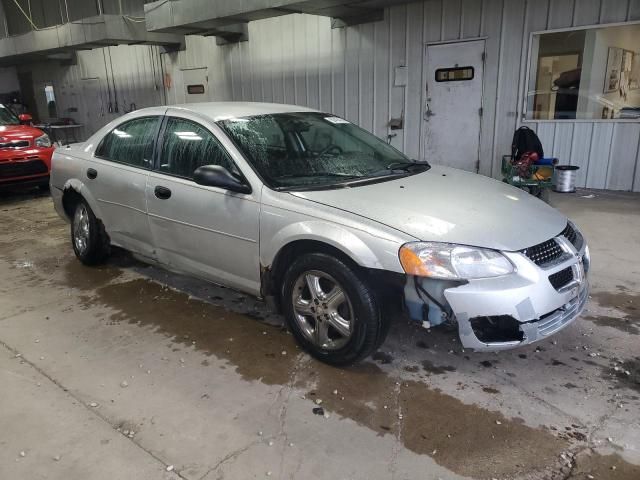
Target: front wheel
{"x": 88, "y": 237}
{"x": 330, "y": 310}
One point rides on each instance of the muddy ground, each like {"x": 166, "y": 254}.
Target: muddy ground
{"x": 128, "y": 371}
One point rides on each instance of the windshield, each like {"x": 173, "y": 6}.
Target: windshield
{"x": 311, "y": 149}
{"x": 7, "y": 117}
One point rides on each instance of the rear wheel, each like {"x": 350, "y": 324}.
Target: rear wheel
{"x": 331, "y": 310}
{"x": 90, "y": 241}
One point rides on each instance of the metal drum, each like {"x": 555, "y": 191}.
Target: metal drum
{"x": 565, "y": 178}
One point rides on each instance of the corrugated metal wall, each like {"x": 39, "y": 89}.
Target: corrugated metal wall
{"x": 47, "y": 13}
{"x": 101, "y": 79}
{"x": 349, "y": 71}
{"x": 300, "y": 59}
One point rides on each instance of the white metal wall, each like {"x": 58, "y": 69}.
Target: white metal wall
{"x": 300, "y": 59}
{"x": 349, "y": 71}
{"x": 136, "y": 74}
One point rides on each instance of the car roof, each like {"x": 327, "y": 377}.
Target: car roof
{"x": 223, "y": 110}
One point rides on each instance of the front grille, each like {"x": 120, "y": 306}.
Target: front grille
{"x": 12, "y": 145}
{"x": 561, "y": 278}
{"x": 574, "y": 237}
{"x": 543, "y": 253}
{"x": 22, "y": 169}
{"x": 554, "y": 321}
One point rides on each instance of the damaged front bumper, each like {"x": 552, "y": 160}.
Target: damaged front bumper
{"x": 505, "y": 312}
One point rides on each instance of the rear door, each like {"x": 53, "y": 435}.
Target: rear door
{"x": 206, "y": 231}
{"x": 117, "y": 176}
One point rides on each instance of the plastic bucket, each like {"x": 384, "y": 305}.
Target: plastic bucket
{"x": 565, "y": 178}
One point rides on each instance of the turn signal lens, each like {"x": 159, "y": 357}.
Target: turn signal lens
{"x": 412, "y": 263}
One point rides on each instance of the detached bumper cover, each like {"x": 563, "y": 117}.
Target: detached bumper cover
{"x": 539, "y": 299}
{"x": 532, "y": 297}
{"x": 531, "y": 331}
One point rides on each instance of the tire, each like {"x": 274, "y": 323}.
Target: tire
{"x": 331, "y": 311}
{"x": 88, "y": 237}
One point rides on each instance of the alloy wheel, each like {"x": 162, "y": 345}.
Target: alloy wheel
{"x": 322, "y": 310}
{"x": 81, "y": 229}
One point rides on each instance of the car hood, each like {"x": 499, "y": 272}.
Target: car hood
{"x": 18, "y": 132}
{"x": 449, "y": 205}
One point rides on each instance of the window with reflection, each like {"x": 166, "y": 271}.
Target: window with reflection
{"x": 187, "y": 146}
{"x": 454, "y": 74}
{"x": 131, "y": 142}
{"x": 588, "y": 74}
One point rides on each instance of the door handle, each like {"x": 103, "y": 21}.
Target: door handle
{"x": 162, "y": 192}
{"x": 428, "y": 112}
{"x": 92, "y": 173}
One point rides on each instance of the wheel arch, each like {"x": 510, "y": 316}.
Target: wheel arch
{"x": 316, "y": 237}
{"x": 72, "y": 192}
{"x": 295, "y": 248}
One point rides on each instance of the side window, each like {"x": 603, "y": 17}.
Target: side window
{"x": 187, "y": 146}
{"x": 131, "y": 142}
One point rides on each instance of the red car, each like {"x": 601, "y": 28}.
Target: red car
{"x": 25, "y": 151}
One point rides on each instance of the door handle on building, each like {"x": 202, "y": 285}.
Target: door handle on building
{"x": 428, "y": 113}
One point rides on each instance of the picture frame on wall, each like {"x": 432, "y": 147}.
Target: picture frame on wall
{"x": 614, "y": 68}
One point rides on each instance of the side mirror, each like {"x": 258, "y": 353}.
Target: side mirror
{"x": 217, "y": 176}
{"x": 25, "y": 118}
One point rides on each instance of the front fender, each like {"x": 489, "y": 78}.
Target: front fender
{"x": 363, "y": 248}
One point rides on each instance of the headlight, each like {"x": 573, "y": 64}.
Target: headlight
{"x": 450, "y": 261}
{"x": 43, "y": 141}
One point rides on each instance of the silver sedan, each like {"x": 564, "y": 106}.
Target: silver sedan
{"x": 334, "y": 226}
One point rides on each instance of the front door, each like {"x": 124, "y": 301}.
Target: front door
{"x": 453, "y": 104}
{"x": 196, "y": 85}
{"x": 209, "y": 232}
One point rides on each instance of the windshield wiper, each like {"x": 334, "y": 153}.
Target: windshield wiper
{"x": 406, "y": 166}
{"x": 396, "y": 169}
{"x": 320, "y": 174}
{"x": 344, "y": 177}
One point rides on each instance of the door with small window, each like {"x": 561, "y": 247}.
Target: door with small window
{"x": 452, "y": 110}
{"x": 196, "y": 85}
{"x": 206, "y": 231}
{"x": 116, "y": 176}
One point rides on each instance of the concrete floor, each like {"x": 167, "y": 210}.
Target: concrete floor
{"x": 127, "y": 371}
